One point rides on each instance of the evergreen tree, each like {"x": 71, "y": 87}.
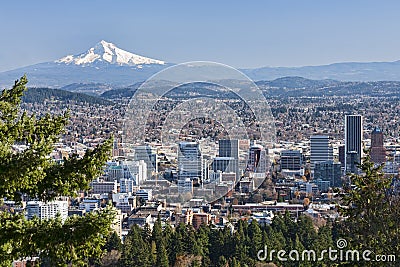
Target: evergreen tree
{"x": 372, "y": 213}
{"x": 177, "y": 245}
{"x": 156, "y": 234}
{"x": 161, "y": 252}
{"x": 162, "y": 256}
{"x": 324, "y": 242}
{"x": 192, "y": 244}
{"x": 222, "y": 262}
{"x": 202, "y": 240}
{"x": 136, "y": 250}
{"x": 290, "y": 227}
{"x": 255, "y": 239}
{"x": 304, "y": 259}
{"x": 278, "y": 224}
{"x": 215, "y": 245}
{"x": 146, "y": 233}
{"x": 113, "y": 242}
{"x": 168, "y": 239}
{"x": 32, "y": 173}
{"x": 306, "y": 231}
{"x": 228, "y": 242}
{"x": 277, "y": 239}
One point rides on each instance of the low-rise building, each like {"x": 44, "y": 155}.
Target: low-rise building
{"x": 100, "y": 187}
{"x": 200, "y": 218}
{"x": 140, "y": 219}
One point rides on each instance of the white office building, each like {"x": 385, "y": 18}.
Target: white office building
{"x": 47, "y": 210}
{"x": 320, "y": 149}
{"x": 89, "y": 205}
{"x": 138, "y": 171}
{"x": 126, "y": 185}
{"x": 149, "y": 155}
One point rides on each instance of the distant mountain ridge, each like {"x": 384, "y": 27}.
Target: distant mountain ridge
{"x": 296, "y": 82}
{"x": 40, "y": 95}
{"x": 347, "y": 71}
{"x": 108, "y": 64}
{"x": 87, "y": 88}
{"x": 284, "y": 87}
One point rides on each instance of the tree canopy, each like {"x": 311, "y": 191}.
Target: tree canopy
{"x": 372, "y": 212}
{"x": 31, "y": 173}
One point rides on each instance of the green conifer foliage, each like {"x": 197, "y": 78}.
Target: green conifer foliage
{"x": 33, "y": 173}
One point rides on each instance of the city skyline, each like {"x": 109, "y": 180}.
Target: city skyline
{"x": 275, "y": 33}
{"x": 187, "y": 134}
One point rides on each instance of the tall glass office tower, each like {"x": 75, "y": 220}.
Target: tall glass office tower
{"x": 353, "y": 142}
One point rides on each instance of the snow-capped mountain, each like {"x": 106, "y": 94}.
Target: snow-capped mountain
{"x": 108, "y": 52}
{"x": 104, "y": 63}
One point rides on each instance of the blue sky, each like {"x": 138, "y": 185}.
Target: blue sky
{"x": 237, "y": 33}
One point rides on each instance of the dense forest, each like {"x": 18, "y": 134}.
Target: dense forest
{"x": 39, "y": 95}
{"x": 211, "y": 246}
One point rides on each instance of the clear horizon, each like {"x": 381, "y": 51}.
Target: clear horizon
{"x": 256, "y": 34}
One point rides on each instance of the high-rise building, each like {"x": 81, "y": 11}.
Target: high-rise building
{"x": 378, "y": 151}
{"x": 342, "y": 155}
{"x": 258, "y": 159}
{"x": 320, "y": 149}
{"x": 117, "y": 150}
{"x": 291, "y": 160}
{"x": 134, "y": 170}
{"x": 185, "y": 186}
{"x": 190, "y": 161}
{"x": 138, "y": 171}
{"x": 329, "y": 171}
{"x": 149, "y": 156}
{"x": 146, "y": 194}
{"x": 101, "y": 187}
{"x": 225, "y": 164}
{"x": 353, "y": 129}
{"x": 230, "y": 148}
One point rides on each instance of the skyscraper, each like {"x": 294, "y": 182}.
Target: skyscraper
{"x": 149, "y": 155}
{"x": 258, "y": 159}
{"x": 320, "y": 149}
{"x": 291, "y": 160}
{"x": 230, "y": 149}
{"x": 224, "y": 164}
{"x": 342, "y": 155}
{"x": 254, "y": 157}
{"x": 378, "y": 151}
{"x": 190, "y": 161}
{"x": 328, "y": 171}
{"x": 353, "y": 129}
